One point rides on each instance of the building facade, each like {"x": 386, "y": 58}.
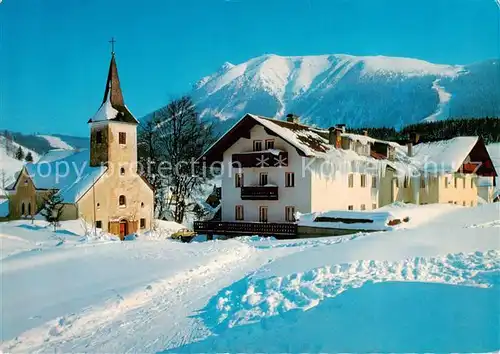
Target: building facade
{"x": 100, "y": 185}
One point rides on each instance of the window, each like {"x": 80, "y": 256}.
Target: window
{"x": 122, "y": 138}
{"x": 456, "y": 182}
{"x": 374, "y": 206}
{"x": 396, "y": 182}
{"x": 122, "y": 201}
{"x": 238, "y": 180}
{"x": 23, "y": 209}
{"x": 269, "y": 144}
{"x": 350, "y": 207}
{"x": 122, "y": 171}
{"x": 463, "y": 203}
{"x": 471, "y": 203}
{"x": 363, "y": 207}
{"x": 98, "y": 224}
{"x": 363, "y": 181}
{"x": 289, "y": 179}
{"x": 98, "y": 205}
{"x": 142, "y": 223}
{"x": 25, "y": 182}
{"x": 350, "y": 180}
{"x": 472, "y": 182}
{"x": 446, "y": 182}
{"x": 263, "y": 178}
{"x": 238, "y": 212}
{"x": 257, "y": 145}
{"x": 29, "y": 208}
{"x": 374, "y": 181}
{"x": 406, "y": 182}
{"x": 263, "y": 214}
{"x": 290, "y": 214}
{"x": 422, "y": 182}
{"x": 142, "y": 205}
{"x": 463, "y": 180}
{"x": 98, "y": 137}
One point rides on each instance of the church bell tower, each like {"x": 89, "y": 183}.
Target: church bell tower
{"x": 113, "y": 129}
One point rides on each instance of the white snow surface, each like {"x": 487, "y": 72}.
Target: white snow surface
{"x": 10, "y": 165}
{"x": 433, "y": 287}
{"x": 56, "y": 142}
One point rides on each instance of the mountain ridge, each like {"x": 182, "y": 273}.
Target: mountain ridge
{"x": 370, "y": 91}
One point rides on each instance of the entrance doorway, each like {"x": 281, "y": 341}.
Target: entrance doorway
{"x": 123, "y": 229}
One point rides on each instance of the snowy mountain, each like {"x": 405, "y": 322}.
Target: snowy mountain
{"x": 359, "y": 91}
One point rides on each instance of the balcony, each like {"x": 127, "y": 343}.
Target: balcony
{"x": 261, "y": 159}
{"x": 259, "y": 193}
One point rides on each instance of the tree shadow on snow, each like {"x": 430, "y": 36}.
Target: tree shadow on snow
{"x": 381, "y": 317}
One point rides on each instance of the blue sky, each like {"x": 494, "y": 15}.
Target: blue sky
{"x": 54, "y": 54}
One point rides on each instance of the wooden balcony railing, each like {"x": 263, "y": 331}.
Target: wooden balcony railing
{"x": 246, "y": 228}
{"x": 260, "y": 159}
{"x": 259, "y": 193}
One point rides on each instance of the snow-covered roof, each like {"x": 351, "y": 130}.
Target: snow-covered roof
{"x": 307, "y": 139}
{"x": 70, "y": 173}
{"x": 442, "y": 156}
{"x": 105, "y": 112}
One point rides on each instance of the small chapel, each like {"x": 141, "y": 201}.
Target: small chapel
{"x": 101, "y": 184}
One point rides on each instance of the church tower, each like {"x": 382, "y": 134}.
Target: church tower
{"x": 113, "y": 129}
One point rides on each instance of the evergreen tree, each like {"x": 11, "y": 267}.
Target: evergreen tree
{"x": 19, "y": 154}
{"x": 52, "y": 208}
{"x": 29, "y": 157}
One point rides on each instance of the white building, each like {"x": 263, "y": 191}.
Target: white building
{"x": 272, "y": 169}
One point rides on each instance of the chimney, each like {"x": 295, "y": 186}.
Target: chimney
{"x": 292, "y": 118}
{"x": 341, "y": 127}
{"x": 334, "y": 137}
{"x": 410, "y": 149}
{"x": 414, "y": 137}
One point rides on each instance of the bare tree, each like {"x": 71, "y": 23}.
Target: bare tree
{"x": 173, "y": 138}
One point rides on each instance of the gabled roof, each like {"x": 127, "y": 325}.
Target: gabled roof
{"x": 69, "y": 173}
{"x": 113, "y": 106}
{"x": 307, "y": 140}
{"x": 448, "y": 156}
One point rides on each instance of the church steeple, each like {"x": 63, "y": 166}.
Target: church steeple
{"x": 113, "y": 105}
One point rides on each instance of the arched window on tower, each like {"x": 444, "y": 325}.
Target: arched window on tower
{"x": 23, "y": 209}
{"x": 122, "y": 201}
{"x": 29, "y": 208}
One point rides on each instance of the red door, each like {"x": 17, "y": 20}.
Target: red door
{"x": 123, "y": 229}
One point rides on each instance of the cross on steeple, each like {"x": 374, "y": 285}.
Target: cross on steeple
{"x": 112, "y": 41}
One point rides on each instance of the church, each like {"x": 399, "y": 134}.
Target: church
{"x": 101, "y": 184}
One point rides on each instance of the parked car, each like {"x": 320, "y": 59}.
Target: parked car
{"x": 185, "y": 235}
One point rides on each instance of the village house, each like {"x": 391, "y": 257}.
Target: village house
{"x": 101, "y": 184}
{"x": 455, "y": 171}
{"x": 272, "y": 169}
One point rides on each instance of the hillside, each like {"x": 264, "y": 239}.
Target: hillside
{"x": 359, "y": 91}
{"x": 41, "y": 144}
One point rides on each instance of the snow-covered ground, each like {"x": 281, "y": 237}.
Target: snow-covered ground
{"x": 430, "y": 287}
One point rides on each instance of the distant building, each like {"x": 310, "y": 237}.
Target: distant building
{"x": 100, "y": 185}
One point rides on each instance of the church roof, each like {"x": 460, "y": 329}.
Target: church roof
{"x": 67, "y": 171}
{"x": 113, "y": 106}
